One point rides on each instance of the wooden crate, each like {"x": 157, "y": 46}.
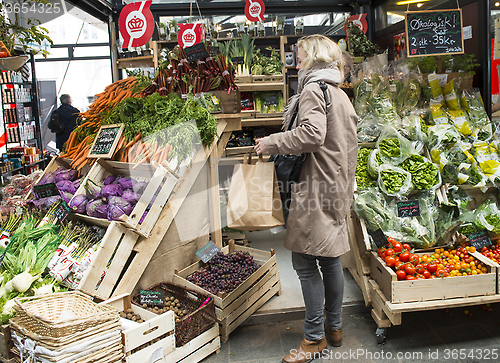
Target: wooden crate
{"x": 159, "y": 177}
{"x": 117, "y": 245}
{"x": 431, "y": 289}
{"x": 261, "y": 79}
{"x": 5, "y": 342}
{"x": 161, "y": 327}
{"x": 234, "y": 308}
{"x": 230, "y": 103}
{"x": 490, "y": 262}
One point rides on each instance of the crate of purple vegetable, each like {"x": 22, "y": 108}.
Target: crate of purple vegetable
{"x": 239, "y": 280}
{"x": 115, "y": 191}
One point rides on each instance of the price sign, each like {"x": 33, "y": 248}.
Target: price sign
{"x": 480, "y": 239}
{"x": 46, "y": 190}
{"x": 207, "y": 252}
{"x": 213, "y": 50}
{"x": 408, "y": 208}
{"x": 266, "y": 52}
{"x": 62, "y": 211}
{"x": 106, "y": 141}
{"x": 273, "y": 100}
{"x": 197, "y": 51}
{"x": 151, "y": 298}
{"x": 434, "y": 32}
{"x": 238, "y": 60}
{"x": 379, "y": 238}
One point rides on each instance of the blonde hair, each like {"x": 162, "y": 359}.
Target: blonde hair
{"x": 318, "y": 48}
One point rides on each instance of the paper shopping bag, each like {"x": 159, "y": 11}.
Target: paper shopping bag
{"x": 254, "y": 201}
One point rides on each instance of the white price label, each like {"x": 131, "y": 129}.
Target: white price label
{"x": 157, "y": 355}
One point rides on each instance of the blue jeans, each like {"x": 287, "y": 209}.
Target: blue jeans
{"x": 320, "y": 293}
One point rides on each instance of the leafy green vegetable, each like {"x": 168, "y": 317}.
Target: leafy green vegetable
{"x": 363, "y": 179}
{"x": 390, "y": 147}
{"x": 393, "y": 181}
{"x": 424, "y": 174}
{"x": 370, "y": 205}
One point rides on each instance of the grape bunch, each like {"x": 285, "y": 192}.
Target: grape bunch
{"x": 224, "y": 273}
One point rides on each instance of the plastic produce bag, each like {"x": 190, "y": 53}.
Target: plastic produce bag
{"x": 371, "y": 206}
{"x": 411, "y": 96}
{"x": 487, "y": 157}
{"x": 451, "y": 94}
{"x": 394, "y": 181}
{"x": 458, "y": 166}
{"x": 380, "y": 102}
{"x": 436, "y": 90}
{"x": 478, "y": 117}
{"x": 369, "y": 128}
{"x": 363, "y": 179}
{"x": 438, "y": 115}
{"x": 461, "y": 121}
{"x": 374, "y": 162}
{"x": 414, "y": 128}
{"x": 362, "y": 92}
{"x": 394, "y": 148}
{"x": 440, "y": 139}
{"x": 488, "y": 216}
{"x": 424, "y": 174}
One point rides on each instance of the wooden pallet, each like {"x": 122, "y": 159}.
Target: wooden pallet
{"x": 161, "y": 179}
{"x": 431, "y": 289}
{"x": 161, "y": 327}
{"x": 116, "y": 246}
{"x": 234, "y": 308}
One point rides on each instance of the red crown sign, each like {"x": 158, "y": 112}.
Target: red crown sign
{"x": 135, "y": 24}
{"x": 190, "y": 34}
{"x": 188, "y": 37}
{"x": 254, "y": 10}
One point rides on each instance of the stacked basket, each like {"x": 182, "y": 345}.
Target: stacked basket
{"x": 65, "y": 327}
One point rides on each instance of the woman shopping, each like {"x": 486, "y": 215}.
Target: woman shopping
{"x": 325, "y": 128}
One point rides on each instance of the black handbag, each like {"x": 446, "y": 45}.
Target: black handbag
{"x": 288, "y": 167}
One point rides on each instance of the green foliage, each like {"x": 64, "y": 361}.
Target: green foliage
{"x": 359, "y": 45}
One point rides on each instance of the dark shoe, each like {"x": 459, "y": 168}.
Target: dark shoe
{"x": 306, "y": 351}
{"x": 335, "y": 336}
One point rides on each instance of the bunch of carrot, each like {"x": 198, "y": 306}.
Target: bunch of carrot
{"x": 78, "y": 151}
{"x": 137, "y": 151}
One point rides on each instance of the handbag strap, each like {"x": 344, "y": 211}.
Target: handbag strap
{"x": 324, "y": 88}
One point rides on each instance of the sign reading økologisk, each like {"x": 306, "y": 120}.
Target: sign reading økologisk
{"x": 46, "y": 190}
{"x": 409, "y": 208}
{"x": 208, "y": 251}
{"x": 480, "y": 239}
{"x": 434, "y": 32}
{"x": 151, "y": 298}
{"x": 106, "y": 141}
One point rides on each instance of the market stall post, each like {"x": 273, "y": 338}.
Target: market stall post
{"x": 146, "y": 248}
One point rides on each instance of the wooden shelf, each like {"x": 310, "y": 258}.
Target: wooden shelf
{"x": 263, "y": 86}
{"x": 268, "y": 121}
{"x": 143, "y": 61}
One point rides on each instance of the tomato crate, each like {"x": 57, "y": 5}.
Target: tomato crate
{"x": 115, "y": 249}
{"x": 162, "y": 179}
{"x": 487, "y": 261}
{"x": 431, "y": 289}
{"x": 234, "y": 308}
{"x": 158, "y": 332}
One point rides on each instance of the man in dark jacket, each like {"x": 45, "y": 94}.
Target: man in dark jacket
{"x": 69, "y": 115}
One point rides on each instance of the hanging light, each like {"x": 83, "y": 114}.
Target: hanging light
{"x": 497, "y": 4}
{"x": 406, "y": 2}
{"x": 419, "y": 5}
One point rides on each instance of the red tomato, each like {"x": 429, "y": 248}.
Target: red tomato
{"x": 441, "y": 273}
{"x": 420, "y": 269}
{"x": 401, "y": 275}
{"x": 415, "y": 259}
{"x": 409, "y": 269}
{"x": 426, "y": 274}
{"x": 389, "y": 252}
{"x": 432, "y": 277}
{"x": 3, "y": 54}
{"x": 410, "y": 277}
{"x": 432, "y": 267}
{"x": 390, "y": 261}
{"x": 397, "y": 247}
{"x": 404, "y": 256}
{"x": 406, "y": 246}
{"x": 398, "y": 264}
{"x": 380, "y": 250}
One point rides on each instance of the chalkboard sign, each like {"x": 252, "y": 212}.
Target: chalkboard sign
{"x": 207, "y": 252}
{"x": 409, "y": 208}
{"x": 62, "y": 211}
{"x": 379, "y": 238}
{"x": 106, "y": 141}
{"x": 151, "y": 298}
{"x": 266, "y": 52}
{"x": 480, "y": 239}
{"x": 434, "y": 32}
{"x": 197, "y": 51}
{"x": 238, "y": 60}
{"x": 46, "y": 190}
{"x": 213, "y": 50}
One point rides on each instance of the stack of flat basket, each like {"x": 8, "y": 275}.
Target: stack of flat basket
{"x": 65, "y": 327}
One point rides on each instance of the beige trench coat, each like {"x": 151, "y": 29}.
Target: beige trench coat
{"x": 317, "y": 223}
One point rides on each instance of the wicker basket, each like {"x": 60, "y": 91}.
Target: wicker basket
{"x": 197, "y": 321}
{"x": 44, "y": 315}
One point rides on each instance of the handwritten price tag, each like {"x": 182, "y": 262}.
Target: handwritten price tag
{"x": 408, "y": 208}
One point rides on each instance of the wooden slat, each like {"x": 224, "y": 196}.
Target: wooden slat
{"x": 221, "y": 146}
{"x": 148, "y": 331}
{"x": 184, "y": 353}
{"x": 442, "y": 304}
{"x": 379, "y": 320}
{"x": 93, "y": 273}
{"x": 379, "y": 300}
{"x": 147, "y": 247}
{"x": 214, "y": 199}
{"x": 117, "y": 264}
{"x": 205, "y": 351}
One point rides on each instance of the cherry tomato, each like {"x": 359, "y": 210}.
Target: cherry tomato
{"x": 397, "y": 247}
{"x": 406, "y": 246}
{"x": 410, "y": 277}
{"x": 390, "y": 261}
{"x": 426, "y": 274}
{"x": 420, "y": 269}
{"x": 380, "y": 250}
{"x": 415, "y": 259}
{"x": 441, "y": 273}
{"x": 398, "y": 264}
{"x": 3, "y": 54}
{"x": 409, "y": 269}
{"x": 389, "y": 252}
{"x": 404, "y": 256}
{"x": 401, "y": 275}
